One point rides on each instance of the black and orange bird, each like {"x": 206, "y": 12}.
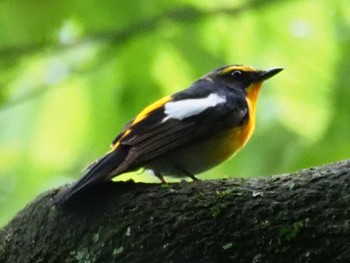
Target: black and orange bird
{"x": 186, "y": 133}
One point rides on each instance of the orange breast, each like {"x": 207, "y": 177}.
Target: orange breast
{"x": 219, "y": 148}
{"x": 238, "y": 137}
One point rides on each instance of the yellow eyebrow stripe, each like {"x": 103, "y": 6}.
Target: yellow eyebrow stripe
{"x": 143, "y": 114}
{"x": 232, "y": 68}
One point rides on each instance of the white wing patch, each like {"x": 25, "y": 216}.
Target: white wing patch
{"x": 186, "y": 108}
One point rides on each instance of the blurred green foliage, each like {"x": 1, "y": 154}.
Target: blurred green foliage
{"x": 74, "y": 72}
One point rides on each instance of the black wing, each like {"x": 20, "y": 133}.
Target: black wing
{"x": 153, "y": 137}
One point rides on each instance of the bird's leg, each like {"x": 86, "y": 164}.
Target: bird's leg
{"x": 194, "y": 178}
{"x": 161, "y": 178}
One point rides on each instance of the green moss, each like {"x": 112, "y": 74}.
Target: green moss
{"x": 227, "y": 246}
{"x": 200, "y": 195}
{"x": 216, "y": 211}
{"x": 166, "y": 186}
{"x": 95, "y": 237}
{"x": 290, "y": 232}
{"x": 83, "y": 255}
{"x": 219, "y": 206}
{"x": 265, "y": 224}
{"x": 222, "y": 194}
{"x": 117, "y": 251}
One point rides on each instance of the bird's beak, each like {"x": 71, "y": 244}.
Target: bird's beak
{"x": 266, "y": 74}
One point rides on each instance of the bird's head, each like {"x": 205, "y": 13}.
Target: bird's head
{"x": 242, "y": 77}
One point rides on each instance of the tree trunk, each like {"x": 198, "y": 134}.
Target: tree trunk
{"x": 298, "y": 217}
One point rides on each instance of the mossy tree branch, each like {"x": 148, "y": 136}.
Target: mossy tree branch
{"x": 299, "y": 217}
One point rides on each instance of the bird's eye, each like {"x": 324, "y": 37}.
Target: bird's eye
{"x": 236, "y": 74}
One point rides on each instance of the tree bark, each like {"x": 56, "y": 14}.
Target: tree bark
{"x": 298, "y": 217}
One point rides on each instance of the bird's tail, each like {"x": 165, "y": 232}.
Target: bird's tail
{"x": 98, "y": 172}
